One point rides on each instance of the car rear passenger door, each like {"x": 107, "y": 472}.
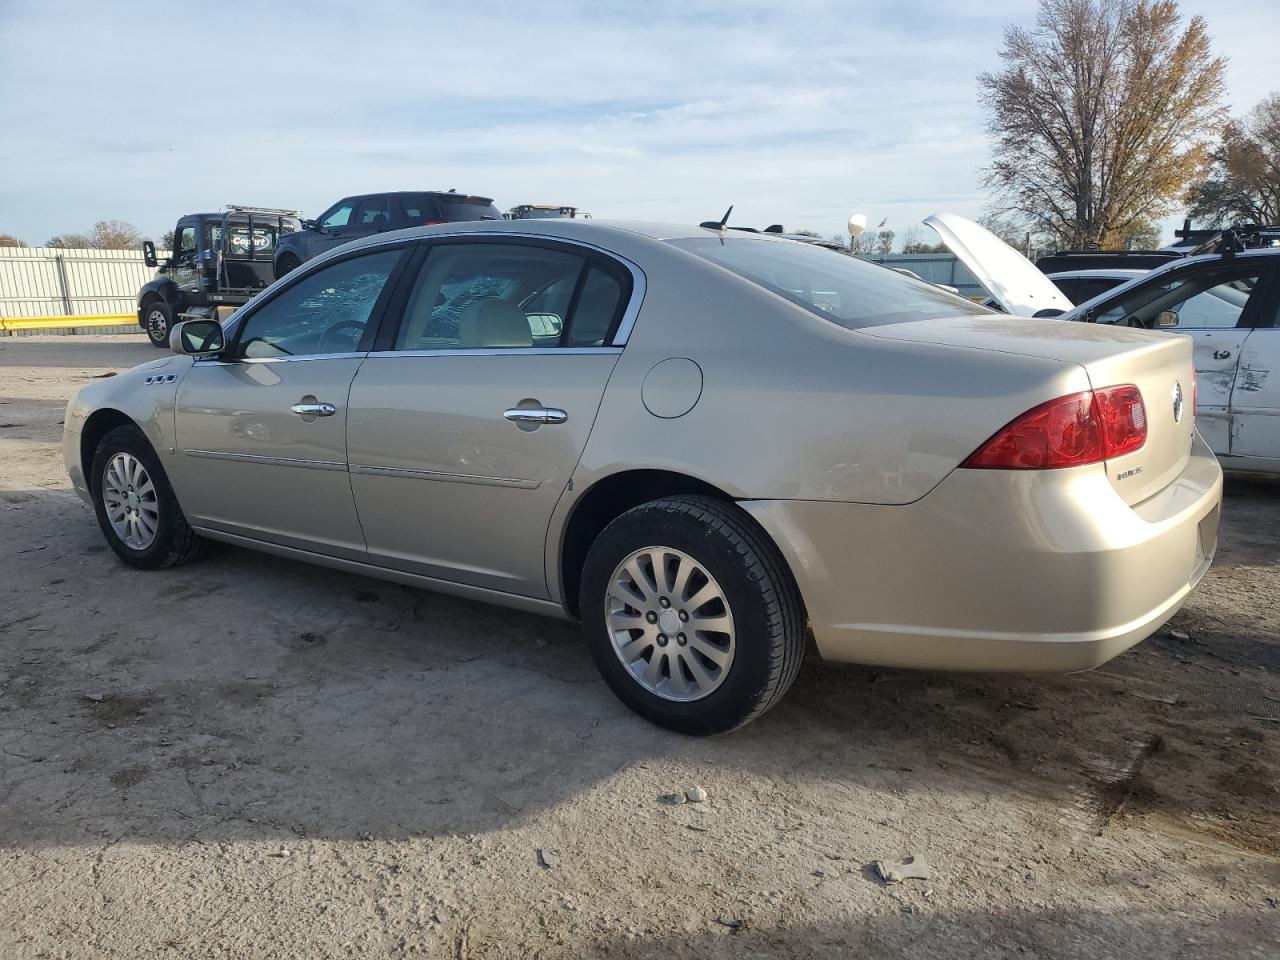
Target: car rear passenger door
{"x": 467, "y": 422}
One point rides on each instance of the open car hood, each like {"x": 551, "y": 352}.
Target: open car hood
{"x": 1012, "y": 280}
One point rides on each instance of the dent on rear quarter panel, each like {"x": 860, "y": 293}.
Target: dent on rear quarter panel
{"x": 796, "y": 407}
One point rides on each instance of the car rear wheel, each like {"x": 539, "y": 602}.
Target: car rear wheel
{"x": 157, "y": 320}
{"x": 286, "y": 264}
{"x": 691, "y": 614}
{"x": 135, "y": 505}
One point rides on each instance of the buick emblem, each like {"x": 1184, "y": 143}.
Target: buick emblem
{"x": 1177, "y": 402}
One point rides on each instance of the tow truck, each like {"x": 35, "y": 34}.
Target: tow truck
{"x": 219, "y": 262}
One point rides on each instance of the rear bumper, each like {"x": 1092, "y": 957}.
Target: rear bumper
{"x": 1000, "y": 570}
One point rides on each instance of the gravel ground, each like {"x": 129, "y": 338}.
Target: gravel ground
{"x": 250, "y": 757}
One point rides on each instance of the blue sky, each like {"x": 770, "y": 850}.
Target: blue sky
{"x": 796, "y": 112}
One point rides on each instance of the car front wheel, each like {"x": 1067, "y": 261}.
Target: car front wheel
{"x": 691, "y": 614}
{"x": 135, "y": 505}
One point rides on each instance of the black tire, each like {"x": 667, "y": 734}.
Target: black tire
{"x": 767, "y": 611}
{"x": 175, "y": 542}
{"x": 286, "y": 264}
{"x": 157, "y": 321}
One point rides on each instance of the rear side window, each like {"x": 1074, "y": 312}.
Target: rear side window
{"x": 487, "y": 296}
{"x": 837, "y": 287}
{"x": 455, "y": 208}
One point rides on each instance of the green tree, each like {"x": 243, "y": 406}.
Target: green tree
{"x": 1101, "y": 116}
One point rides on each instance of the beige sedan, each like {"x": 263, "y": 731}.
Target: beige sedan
{"x": 703, "y": 445}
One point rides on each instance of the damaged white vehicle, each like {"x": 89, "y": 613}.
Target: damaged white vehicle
{"x": 1226, "y": 302}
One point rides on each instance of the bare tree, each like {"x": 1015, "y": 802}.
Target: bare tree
{"x": 104, "y": 235}
{"x": 1243, "y": 182}
{"x": 69, "y": 241}
{"x": 884, "y": 242}
{"x": 9, "y": 240}
{"x": 1100, "y": 115}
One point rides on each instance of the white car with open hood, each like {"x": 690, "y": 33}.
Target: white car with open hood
{"x": 1227, "y": 303}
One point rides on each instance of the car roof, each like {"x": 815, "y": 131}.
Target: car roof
{"x": 418, "y": 193}
{"x": 1085, "y": 274}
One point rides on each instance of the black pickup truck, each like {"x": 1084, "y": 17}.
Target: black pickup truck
{"x": 219, "y": 262}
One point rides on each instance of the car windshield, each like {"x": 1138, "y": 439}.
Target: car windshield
{"x": 454, "y": 208}
{"x": 835, "y": 286}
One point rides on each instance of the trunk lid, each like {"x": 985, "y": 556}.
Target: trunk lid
{"x": 1010, "y": 278}
{"x": 1160, "y": 365}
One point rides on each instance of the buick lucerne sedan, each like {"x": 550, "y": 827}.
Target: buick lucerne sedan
{"x": 703, "y": 445}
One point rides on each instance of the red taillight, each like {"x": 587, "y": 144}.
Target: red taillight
{"x": 432, "y": 223}
{"x": 1071, "y": 431}
{"x": 1124, "y": 419}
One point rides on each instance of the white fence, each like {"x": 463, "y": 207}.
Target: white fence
{"x": 43, "y": 284}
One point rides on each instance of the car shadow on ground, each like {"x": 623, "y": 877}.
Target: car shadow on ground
{"x": 249, "y": 696}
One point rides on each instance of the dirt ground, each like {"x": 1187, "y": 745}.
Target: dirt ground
{"x": 250, "y": 757}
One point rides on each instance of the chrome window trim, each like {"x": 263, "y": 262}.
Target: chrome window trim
{"x": 502, "y": 352}
{"x": 215, "y": 362}
{"x": 639, "y": 282}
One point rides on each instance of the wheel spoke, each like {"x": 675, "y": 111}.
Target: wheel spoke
{"x": 684, "y": 567}
{"x": 640, "y": 579}
{"x": 632, "y": 649}
{"x": 701, "y": 679}
{"x": 717, "y": 655}
{"x": 719, "y": 623}
{"x": 679, "y": 685}
{"x": 710, "y": 591}
{"x": 653, "y": 672}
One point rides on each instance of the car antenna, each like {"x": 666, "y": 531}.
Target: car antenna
{"x": 721, "y": 224}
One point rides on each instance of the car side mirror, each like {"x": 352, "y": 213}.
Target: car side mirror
{"x": 1047, "y": 313}
{"x": 199, "y": 338}
{"x": 312, "y": 225}
{"x": 1167, "y": 318}
{"x": 149, "y": 254}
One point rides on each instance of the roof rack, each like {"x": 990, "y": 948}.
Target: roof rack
{"x": 269, "y": 211}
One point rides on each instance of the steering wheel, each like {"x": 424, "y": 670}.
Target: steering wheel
{"x": 324, "y": 345}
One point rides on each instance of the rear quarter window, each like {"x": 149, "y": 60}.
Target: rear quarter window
{"x": 843, "y": 289}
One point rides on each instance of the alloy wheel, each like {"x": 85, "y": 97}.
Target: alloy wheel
{"x": 129, "y": 497}
{"x": 671, "y": 624}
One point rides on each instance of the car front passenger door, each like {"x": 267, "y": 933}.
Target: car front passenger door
{"x": 261, "y": 430}
{"x": 1216, "y": 304}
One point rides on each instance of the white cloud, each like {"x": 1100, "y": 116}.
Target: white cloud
{"x": 795, "y": 112}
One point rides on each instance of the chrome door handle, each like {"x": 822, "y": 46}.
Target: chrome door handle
{"x": 314, "y": 409}
{"x": 536, "y": 415}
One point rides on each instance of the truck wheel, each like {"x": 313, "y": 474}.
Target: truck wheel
{"x": 157, "y": 320}
{"x": 287, "y": 263}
